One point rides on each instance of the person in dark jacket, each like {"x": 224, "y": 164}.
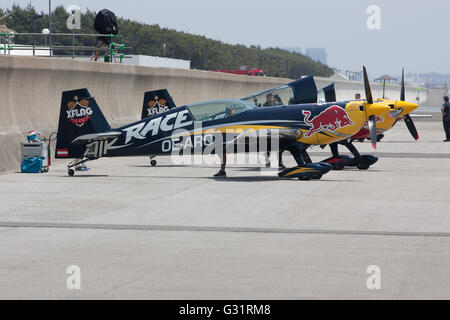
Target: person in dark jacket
{"x": 446, "y": 118}
{"x": 105, "y": 23}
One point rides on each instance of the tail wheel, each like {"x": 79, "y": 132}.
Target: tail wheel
{"x": 71, "y": 172}
{"x": 153, "y": 163}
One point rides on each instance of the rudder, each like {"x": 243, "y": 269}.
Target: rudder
{"x": 155, "y": 102}
{"x": 79, "y": 115}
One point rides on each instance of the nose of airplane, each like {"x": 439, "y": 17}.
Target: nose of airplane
{"x": 376, "y": 109}
{"x": 407, "y": 107}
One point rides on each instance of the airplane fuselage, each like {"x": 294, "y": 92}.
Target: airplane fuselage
{"x": 178, "y": 129}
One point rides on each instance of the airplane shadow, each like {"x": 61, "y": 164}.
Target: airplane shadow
{"x": 228, "y": 179}
{"x": 265, "y": 179}
{"x": 87, "y": 176}
{"x": 254, "y": 169}
{"x": 214, "y": 167}
{"x": 358, "y": 170}
{"x": 158, "y": 166}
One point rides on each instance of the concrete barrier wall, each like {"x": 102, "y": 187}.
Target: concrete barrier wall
{"x": 30, "y": 93}
{"x": 31, "y": 87}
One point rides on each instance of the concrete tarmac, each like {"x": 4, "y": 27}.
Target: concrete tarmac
{"x": 174, "y": 232}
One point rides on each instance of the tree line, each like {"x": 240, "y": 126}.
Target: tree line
{"x": 145, "y": 39}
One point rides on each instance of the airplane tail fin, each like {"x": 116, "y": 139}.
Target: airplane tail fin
{"x": 155, "y": 102}
{"x": 79, "y": 115}
{"x": 330, "y": 93}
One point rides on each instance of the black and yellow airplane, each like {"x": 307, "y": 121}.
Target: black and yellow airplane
{"x": 400, "y": 110}
{"x": 217, "y": 127}
{"x": 305, "y": 90}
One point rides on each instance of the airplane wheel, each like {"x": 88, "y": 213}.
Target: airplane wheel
{"x": 71, "y": 172}
{"x": 318, "y": 176}
{"x": 153, "y": 163}
{"x": 363, "y": 166}
{"x": 304, "y": 178}
{"x": 268, "y": 165}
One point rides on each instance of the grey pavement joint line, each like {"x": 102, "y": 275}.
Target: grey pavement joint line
{"x": 39, "y": 225}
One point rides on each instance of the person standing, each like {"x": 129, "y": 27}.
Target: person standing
{"x": 446, "y": 118}
{"x": 105, "y": 23}
{"x": 272, "y": 101}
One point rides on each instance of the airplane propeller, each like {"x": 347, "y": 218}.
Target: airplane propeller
{"x": 405, "y": 107}
{"x": 408, "y": 120}
{"x": 372, "y": 120}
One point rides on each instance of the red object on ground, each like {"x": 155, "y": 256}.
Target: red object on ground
{"x": 245, "y": 71}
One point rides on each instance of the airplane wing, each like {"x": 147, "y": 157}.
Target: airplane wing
{"x": 284, "y": 134}
{"x": 96, "y": 137}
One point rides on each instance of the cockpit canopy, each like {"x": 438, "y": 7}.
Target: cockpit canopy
{"x": 300, "y": 91}
{"x": 282, "y": 95}
{"x": 218, "y": 109}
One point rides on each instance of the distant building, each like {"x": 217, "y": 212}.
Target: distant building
{"x": 317, "y": 54}
{"x": 160, "y": 62}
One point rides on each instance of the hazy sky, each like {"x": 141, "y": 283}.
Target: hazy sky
{"x": 414, "y": 34}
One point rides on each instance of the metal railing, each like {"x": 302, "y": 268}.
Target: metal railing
{"x": 116, "y": 51}
{"x": 350, "y": 75}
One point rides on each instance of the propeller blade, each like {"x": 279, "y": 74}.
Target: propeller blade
{"x": 367, "y": 87}
{"x": 384, "y": 87}
{"x": 402, "y": 93}
{"x": 411, "y": 127}
{"x": 373, "y": 131}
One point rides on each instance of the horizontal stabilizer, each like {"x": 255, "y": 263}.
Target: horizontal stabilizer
{"x": 96, "y": 137}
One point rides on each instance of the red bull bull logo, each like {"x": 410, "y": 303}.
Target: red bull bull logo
{"x": 378, "y": 119}
{"x": 332, "y": 119}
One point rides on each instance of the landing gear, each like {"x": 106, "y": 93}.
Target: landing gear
{"x": 314, "y": 177}
{"x": 153, "y": 163}
{"x": 305, "y": 170}
{"x": 362, "y": 162}
{"x": 75, "y": 164}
